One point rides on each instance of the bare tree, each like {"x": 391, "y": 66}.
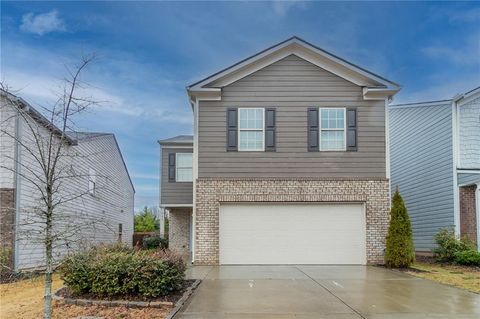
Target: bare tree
{"x": 51, "y": 170}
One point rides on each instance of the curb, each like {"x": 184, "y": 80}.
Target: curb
{"x": 179, "y": 304}
{"x": 129, "y": 303}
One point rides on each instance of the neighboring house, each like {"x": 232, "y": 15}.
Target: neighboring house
{"x": 435, "y": 162}
{"x": 289, "y": 162}
{"x": 103, "y": 210}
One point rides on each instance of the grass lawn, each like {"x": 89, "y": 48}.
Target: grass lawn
{"x": 24, "y": 300}
{"x": 467, "y": 278}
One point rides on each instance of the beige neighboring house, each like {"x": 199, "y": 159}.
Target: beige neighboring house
{"x": 288, "y": 163}
{"x": 103, "y": 214}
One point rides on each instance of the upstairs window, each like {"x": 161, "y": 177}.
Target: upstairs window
{"x": 251, "y": 130}
{"x": 184, "y": 163}
{"x": 92, "y": 181}
{"x": 332, "y": 129}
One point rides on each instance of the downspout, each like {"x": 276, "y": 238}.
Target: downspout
{"x": 456, "y": 195}
{"x": 387, "y": 148}
{"x": 477, "y": 210}
{"x": 161, "y": 209}
{"x": 17, "y": 180}
{"x": 195, "y": 175}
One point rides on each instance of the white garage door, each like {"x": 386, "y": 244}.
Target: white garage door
{"x": 292, "y": 234}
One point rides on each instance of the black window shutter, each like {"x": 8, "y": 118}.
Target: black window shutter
{"x": 312, "y": 129}
{"x": 171, "y": 167}
{"x": 270, "y": 138}
{"x": 232, "y": 130}
{"x": 351, "y": 129}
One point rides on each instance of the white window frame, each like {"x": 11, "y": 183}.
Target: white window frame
{"x": 251, "y": 129}
{"x": 320, "y": 129}
{"x": 92, "y": 180}
{"x": 176, "y": 168}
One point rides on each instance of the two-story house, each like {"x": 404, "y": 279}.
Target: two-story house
{"x": 435, "y": 162}
{"x": 288, "y": 163}
{"x": 95, "y": 196}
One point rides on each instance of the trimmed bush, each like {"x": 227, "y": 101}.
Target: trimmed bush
{"x": 155, "y": 242}
{"x": 449, "y": 244}
{"x": 467, "y": 258}
{"x": 399, "y": 251}
{"x": 107, "y": 271}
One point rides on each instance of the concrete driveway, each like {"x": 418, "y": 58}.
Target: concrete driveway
{"x": 322, "y": 292}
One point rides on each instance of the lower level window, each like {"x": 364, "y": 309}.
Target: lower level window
{"x": 184, "y": 164}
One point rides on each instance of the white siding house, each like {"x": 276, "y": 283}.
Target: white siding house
{"x": 435, "y": 162}
{"x": 100, "y": 196}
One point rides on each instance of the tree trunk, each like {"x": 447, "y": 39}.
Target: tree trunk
{"x": 47, "y": 307}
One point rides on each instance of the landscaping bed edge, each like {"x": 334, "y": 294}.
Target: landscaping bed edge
{"x": 128, "y": 303}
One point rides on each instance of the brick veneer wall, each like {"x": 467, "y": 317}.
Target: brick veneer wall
{"x": 7, "y": 222}
{"x": 212, "y": 192}
{"x": 468, "y": 218}
{"x": 179, "y": 230}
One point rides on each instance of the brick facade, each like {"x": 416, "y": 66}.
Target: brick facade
{"x": 7, "y": 223}
{"x": 468, "y": 215}
{"x": 212, "y": 192}
{"x": 179, "y": 230}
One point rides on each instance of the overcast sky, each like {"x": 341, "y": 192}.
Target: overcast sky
{"x": 148, "y": 52}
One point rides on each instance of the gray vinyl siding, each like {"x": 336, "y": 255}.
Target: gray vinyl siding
{"x": 174, "y": 193}
{"x": 92, "y": 219}
{"x": 291, "y": 85}
{"x": 468, "y": 178}
{"x": 422, "y": 168}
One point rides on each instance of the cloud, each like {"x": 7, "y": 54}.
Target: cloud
{"x": 145, "y": 176}
{"x": 468, "y": 53}
{"x": 472, "y": 15}
{"x": 42, "y": 23}
{"x": 281, "y": 7}
{"x": 443, "y": 88}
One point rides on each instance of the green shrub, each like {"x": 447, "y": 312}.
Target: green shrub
{"x": 5, "y": 262}
{"x": 146, "y": 221}
{"x": 467, "y": 258}
{"x": 449, "y": 244}
{"x": 155, "y": 242}
{"x": 161, "y": 275}
{"x": 399, "y": 248}
{"x": 115, "y": 271}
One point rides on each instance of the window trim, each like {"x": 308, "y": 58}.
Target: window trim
{"x": 239, "y": 149}
{"x": 320, "y": 129}
{"x": 176, "y": 168}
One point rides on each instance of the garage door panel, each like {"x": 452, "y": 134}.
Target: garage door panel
{"x": 292, "y": 234}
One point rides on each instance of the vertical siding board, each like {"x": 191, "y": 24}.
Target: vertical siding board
{"x": 421, "y": 167}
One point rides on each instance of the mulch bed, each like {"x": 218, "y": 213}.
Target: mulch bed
{"x": 173, "y": 298}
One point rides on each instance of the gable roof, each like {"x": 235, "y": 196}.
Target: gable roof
{"x": 458, "y": 98}
{"x": 72, "y": 138}
{"x": 23, "y": 105}
{"x": 374, "y": 84}
{"x": 186, "y": 140}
